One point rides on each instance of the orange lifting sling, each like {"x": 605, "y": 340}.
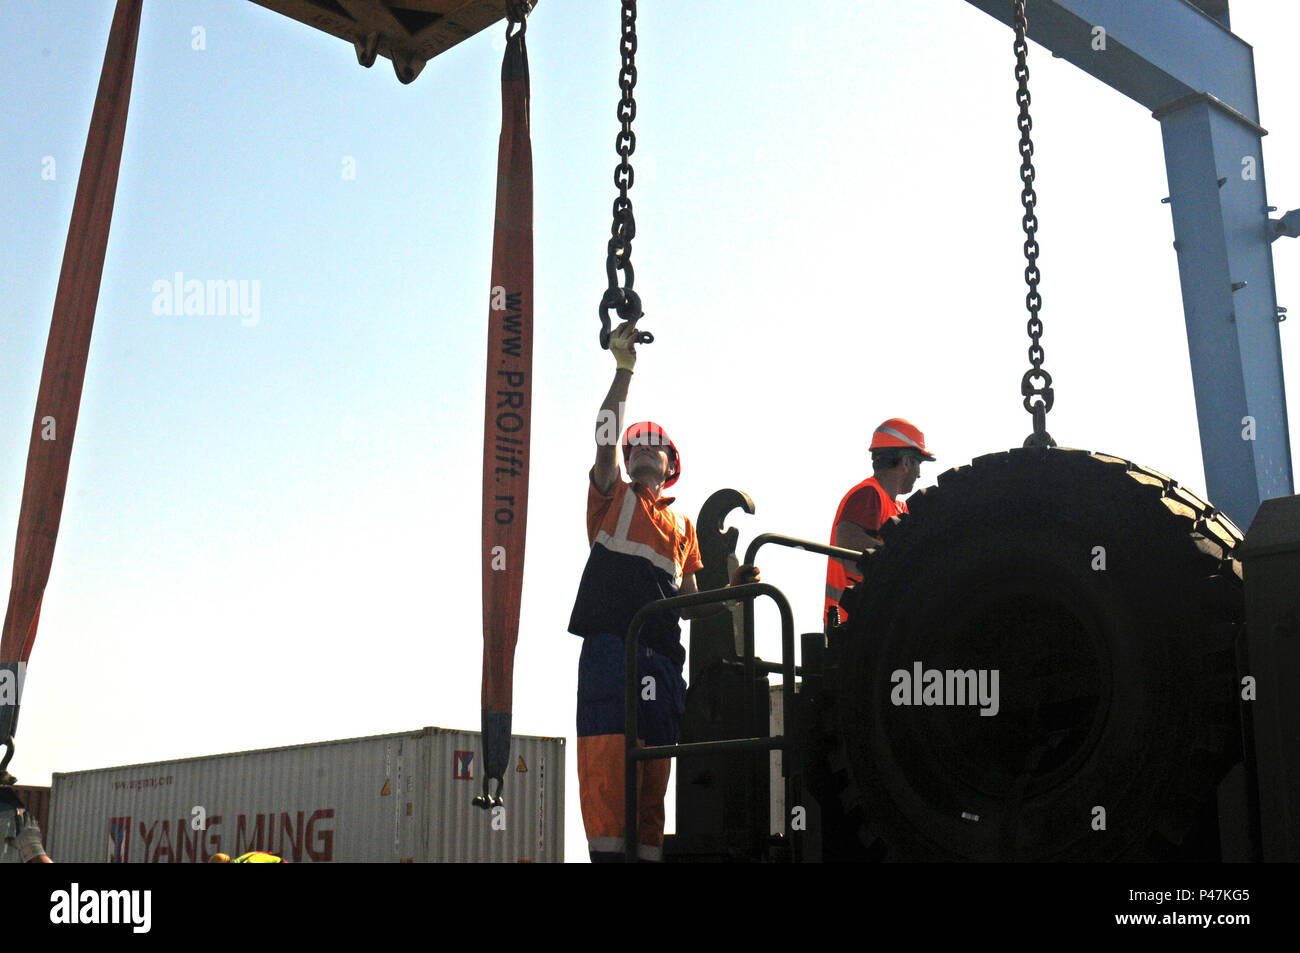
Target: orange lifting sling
{"x": 507, "y": 415}
{"x": 66, "y": 350}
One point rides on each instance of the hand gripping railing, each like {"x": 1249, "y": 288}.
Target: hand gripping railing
{"x": 634, "y": 754}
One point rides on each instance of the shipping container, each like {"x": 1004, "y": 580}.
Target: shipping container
{"x": 399, "y": 798}
{"x": 776, "y": 726}
{"x": 37, "y": 801}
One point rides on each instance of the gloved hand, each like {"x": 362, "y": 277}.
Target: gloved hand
{"x": 27, "y": 839}
{"x": 622, "y": 344}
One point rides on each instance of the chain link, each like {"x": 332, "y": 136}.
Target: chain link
{"x": 1042, "y": 390}
{"x": 623, "y": 229}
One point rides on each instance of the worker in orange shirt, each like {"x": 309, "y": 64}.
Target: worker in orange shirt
{"x": 641, "y": 551}
{"x": 897, "y": 450}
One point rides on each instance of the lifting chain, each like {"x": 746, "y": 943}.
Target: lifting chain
{"x": 619, "y": 258}
{"x": 1033, "y": 301}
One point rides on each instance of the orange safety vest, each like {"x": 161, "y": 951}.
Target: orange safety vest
{"x": 838, "y": 578}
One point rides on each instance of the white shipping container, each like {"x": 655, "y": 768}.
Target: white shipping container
{"x": 776, "y": 726}
{"x": 383, "y": 799}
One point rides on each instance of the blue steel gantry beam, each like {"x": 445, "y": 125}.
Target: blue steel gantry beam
{"x": 1180, "y": 60}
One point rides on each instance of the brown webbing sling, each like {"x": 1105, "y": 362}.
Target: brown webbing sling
{"x": 66, "y": 350}
{"x": 507, "y": 419}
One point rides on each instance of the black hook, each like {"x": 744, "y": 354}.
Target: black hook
{"x": 628, "y": 305}
{"x": 486, "y": 800}
{"x": 5, "y": 776}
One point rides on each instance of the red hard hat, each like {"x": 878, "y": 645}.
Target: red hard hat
{"x": 897, "y": 432}
{"x": 647, "y": 433}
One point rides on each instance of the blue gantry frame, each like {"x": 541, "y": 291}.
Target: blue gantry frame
{"x": 1182, "y": 61}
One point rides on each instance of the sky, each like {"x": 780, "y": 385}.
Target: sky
{"x": 271, "y": 530}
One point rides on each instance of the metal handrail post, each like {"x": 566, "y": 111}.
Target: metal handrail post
{"x": 748, "y": 625}
{"x": 787, "y": 657}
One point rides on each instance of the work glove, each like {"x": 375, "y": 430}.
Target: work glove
{"x": 26, "y": 838}
{"x": 622, "y": 344}
{"x": 28, "y": 842}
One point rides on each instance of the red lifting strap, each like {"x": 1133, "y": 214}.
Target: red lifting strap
{"x": 59, "y": 398}
{"x": 507, "y": 419}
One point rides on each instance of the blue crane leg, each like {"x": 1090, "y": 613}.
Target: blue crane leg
{"x": 1222, "y": 235}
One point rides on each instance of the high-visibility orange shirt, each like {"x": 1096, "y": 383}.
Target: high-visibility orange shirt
{"x": 640, "y": 551}
{"x": 869, "y": 506}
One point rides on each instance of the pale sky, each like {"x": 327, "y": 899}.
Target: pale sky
{"x": 271, "y": 531}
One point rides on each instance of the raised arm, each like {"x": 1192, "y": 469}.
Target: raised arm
{"x": 609, "y": 423}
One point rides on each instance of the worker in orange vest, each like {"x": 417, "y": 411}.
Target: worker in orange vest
{"x": 897, "y": 450}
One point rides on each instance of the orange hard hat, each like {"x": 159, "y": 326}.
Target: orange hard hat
{"x": 647, "y": 433}
{"x": 897, "y": 432}
{"x": 219, "y": 859}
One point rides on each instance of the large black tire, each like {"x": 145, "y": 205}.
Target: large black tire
{"x": 1116, "y": 684}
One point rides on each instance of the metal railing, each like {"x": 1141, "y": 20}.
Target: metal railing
{"x": 634, "y": 754}
{"x": 747, "y": 594}
{"x": 751, "y": 664}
